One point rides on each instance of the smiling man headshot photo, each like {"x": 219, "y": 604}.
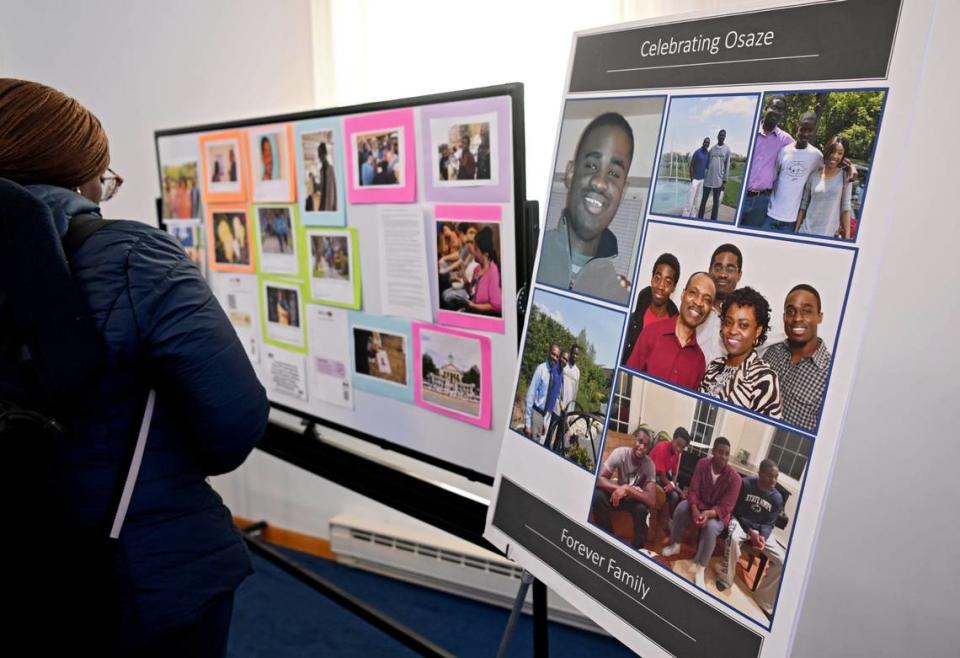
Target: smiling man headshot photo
{"x": 578, "y": 254}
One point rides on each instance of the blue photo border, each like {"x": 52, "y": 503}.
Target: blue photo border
{"x": 335, "y": 218}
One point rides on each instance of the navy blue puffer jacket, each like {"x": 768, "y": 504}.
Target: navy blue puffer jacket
{"x": 164, "y": 330}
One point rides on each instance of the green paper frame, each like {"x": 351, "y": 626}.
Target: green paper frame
{"x": 303, "y": 249}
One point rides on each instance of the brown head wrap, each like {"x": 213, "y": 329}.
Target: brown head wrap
{"x": 48, "y": 137}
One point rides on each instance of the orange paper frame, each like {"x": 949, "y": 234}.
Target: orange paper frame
{"x": 249, "y": 238}
{"x": 243, "y": 166}
{"x": 287, "y": 131}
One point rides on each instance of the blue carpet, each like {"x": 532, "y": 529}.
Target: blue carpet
{"x": 276, "y": 616}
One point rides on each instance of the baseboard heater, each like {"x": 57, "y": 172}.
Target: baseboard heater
{"x": 440, "y": 562}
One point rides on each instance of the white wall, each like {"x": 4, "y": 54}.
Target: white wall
{"x": 142, "y": 66}
{"x": 380, "y": 50}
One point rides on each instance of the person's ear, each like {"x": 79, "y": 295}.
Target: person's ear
{"x": 568, "y": 174}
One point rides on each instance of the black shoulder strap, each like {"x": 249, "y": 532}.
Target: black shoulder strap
{"x": 45, "y": 304}
{"x": 81, "y": 228}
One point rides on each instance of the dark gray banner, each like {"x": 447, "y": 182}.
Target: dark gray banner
{"x": 840, "y": 40}
{"x": 678, "y": 621}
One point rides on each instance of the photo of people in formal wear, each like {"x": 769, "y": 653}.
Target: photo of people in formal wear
{"x": 380, "y": 157}
{"x": 739, "y": 318}
{"x": 223, "y": 166}
{"x": 703, "y": 156}
{"x": 811, "y": 162}
{"x": 318, "y": 174}
{"x": 566, "y": 371}
{"x": 600, "y": 184}
{"x": 181, "y": 194}
{"x": 380, "y": 354}
{"x": 468, "y": 267}
{"x": 231, "y": 238}
{"x": 706, "y": 492}
{"x": 465, "y": 150}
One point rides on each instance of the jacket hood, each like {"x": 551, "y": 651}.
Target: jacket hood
{"x": 64, "y": 204}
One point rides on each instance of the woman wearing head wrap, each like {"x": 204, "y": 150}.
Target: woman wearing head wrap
{"x": 167, "y": 583}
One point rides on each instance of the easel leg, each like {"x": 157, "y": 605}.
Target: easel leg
{"x": 511, "y": 627}
{"x": 540, "y": 644}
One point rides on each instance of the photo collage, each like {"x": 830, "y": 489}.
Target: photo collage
{"x": 274, "y": 215}
{"x": 690, "y": 291}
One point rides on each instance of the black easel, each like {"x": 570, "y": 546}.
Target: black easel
{"x": 369, "y": 614}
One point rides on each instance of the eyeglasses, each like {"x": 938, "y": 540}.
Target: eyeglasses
{"x": 110, "y": 183}
{"x": 729, "y": 269}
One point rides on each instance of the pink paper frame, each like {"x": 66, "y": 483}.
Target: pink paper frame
{"x": 486, "y": 376}
{"x": 406, "y": 192}
{"x": 492, "y": 214}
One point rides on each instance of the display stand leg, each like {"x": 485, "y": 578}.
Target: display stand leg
{"x": 540, "y": 644}
{"x": 511, "y": 627}
{"x": 341, "y": 597}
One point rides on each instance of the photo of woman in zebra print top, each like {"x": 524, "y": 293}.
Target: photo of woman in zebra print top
{"x": 742, "y": 377}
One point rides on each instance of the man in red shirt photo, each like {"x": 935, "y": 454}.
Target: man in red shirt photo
{"x": 668, "y": 349}
{"x": 666, "y": 461}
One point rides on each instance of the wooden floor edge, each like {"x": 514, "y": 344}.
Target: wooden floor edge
{"x": 298, "y": 541}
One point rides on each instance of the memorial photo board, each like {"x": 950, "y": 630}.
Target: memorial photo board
{"x": 717, "y": 207}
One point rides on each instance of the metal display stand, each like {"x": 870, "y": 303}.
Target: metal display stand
{"x": 443, "y": 509}
{"x": 341, "y": 597}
